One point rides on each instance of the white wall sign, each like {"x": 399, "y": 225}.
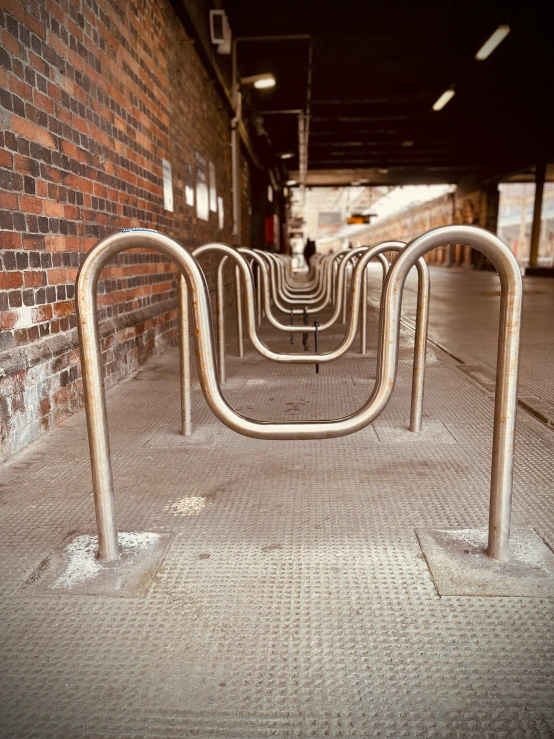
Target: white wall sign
{"x": 213, "y": 189}
{"x": 220, "y": 213}
{"x": 189, "y": 185}
{"x": 202, "y": 207}
{"x": 168, "y": 186}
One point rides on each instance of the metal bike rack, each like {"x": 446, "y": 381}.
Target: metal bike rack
{"x": 366, "y": 255}
{"x": 388, "y": 347}
{"x": 309, "y": 301}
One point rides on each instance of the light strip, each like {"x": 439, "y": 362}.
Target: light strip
{"x": 490, "y": 45}
{"x": 444, "y": 98}
{"x": 263, "y": 84}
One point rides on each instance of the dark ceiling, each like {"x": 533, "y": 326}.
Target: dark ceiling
{"x": 378, "y": 67}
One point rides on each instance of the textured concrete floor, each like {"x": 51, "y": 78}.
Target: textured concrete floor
{"x": 294, "y": 599}
{"x": 464, "y": 320}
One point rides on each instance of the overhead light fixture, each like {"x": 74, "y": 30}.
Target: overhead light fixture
{"x": 444, "y": 98}
{"x": 490, "y": 45}
{"x": 287, "y": 155}
{"x": 290, "y": 183}
{"x": 260, "y": 81}
{"x": 383, "y": 170}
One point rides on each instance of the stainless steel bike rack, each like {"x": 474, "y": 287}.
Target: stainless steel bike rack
{"x": 506, "y": 379}
{"x": 366, "y": 255}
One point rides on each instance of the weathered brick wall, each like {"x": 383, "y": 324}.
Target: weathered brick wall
{"x": 93, "y": 95}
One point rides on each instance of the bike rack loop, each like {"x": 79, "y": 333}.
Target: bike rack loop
{"x": 506, "y": 377}
{"x": 417, "y": 405}
{"x": 270, "y": 271}
{"x": 420, "y": 342}
{"x": 306, "y": 302}
{"x": 295, "y": 285}
{"x": 291, "y": 328}
{"x": 294, "y": 293}
{"x": 304, "y": 358}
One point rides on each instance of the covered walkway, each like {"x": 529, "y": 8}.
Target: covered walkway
{"x": 291, "y": 597}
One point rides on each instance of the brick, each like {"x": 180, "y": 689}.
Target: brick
{"x": 55, "y": 243}
{"x": 14, "y": 8}
{"x": 64, "y": 308}
{"x": 42, "y": 313}
{"x": 10, "y": 240}
{"x": 34, "y": 279}
{"x": 20, "y": 88}
{"x": 43, "y": 102}
{"x": 6, "y": 158}
{"x": 56, "y": 276}
{"x": 26, "y": 165}
{"x": 10, "y": 280}
{"x": 8, "y": 320}
{"x": 38, "y": 64}
{"x": 51, "y": 208}
{"x": 35, "y": 25}
{"x": 29, "y": 204}
{"x": 23, "y": 127}
{"x": 8, "y": 200}
{"x": 11, "y": 44}
{"x": 32, "y": 242}
{"x": 58, "y": 45}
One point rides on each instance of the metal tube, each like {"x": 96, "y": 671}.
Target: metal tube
{"x": 259, "y": 293}
{"x": 220, "y": 298}
{"x": 345, "y": 295}
{"x": 385, "y": 265}
{"x": 363, "y": 336}
{"x": 506, "y": 382}
{"x": 186, "y": 409}
{"x": 240, "y": 335}
{"x": 420, "y": 349}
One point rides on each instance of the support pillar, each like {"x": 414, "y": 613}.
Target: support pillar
{"x": 540, "y": 175}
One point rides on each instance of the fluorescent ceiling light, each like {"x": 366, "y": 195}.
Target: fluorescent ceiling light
{"x": 290, "y": 183}
{"x": 490, "y": 45}
{"x": 444, "y": 98}
{"x": 260, "y": 81}
{"x": 287, "y": 155}
{"x": 265, "y": 83}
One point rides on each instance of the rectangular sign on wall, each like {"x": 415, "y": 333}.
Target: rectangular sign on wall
{"x": 202, "y": 206}
{"x": 168, "y": 185}
{"x": 213, "y": 189}
{"x": 189, "y": 185}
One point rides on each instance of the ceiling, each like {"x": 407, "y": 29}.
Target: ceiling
{"x": 377, "y": 70}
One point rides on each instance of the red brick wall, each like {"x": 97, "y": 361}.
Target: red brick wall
{"x": 93, "y": 95}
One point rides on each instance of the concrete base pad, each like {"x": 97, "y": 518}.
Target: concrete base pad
{"x": 75, "y": 569}
{"x": 204, "y": 436}
{"x": 398, "y": 432}
{"x": 460, "y": 566}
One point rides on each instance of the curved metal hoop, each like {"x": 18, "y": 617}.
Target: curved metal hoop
{"x": 506, "y": 380}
